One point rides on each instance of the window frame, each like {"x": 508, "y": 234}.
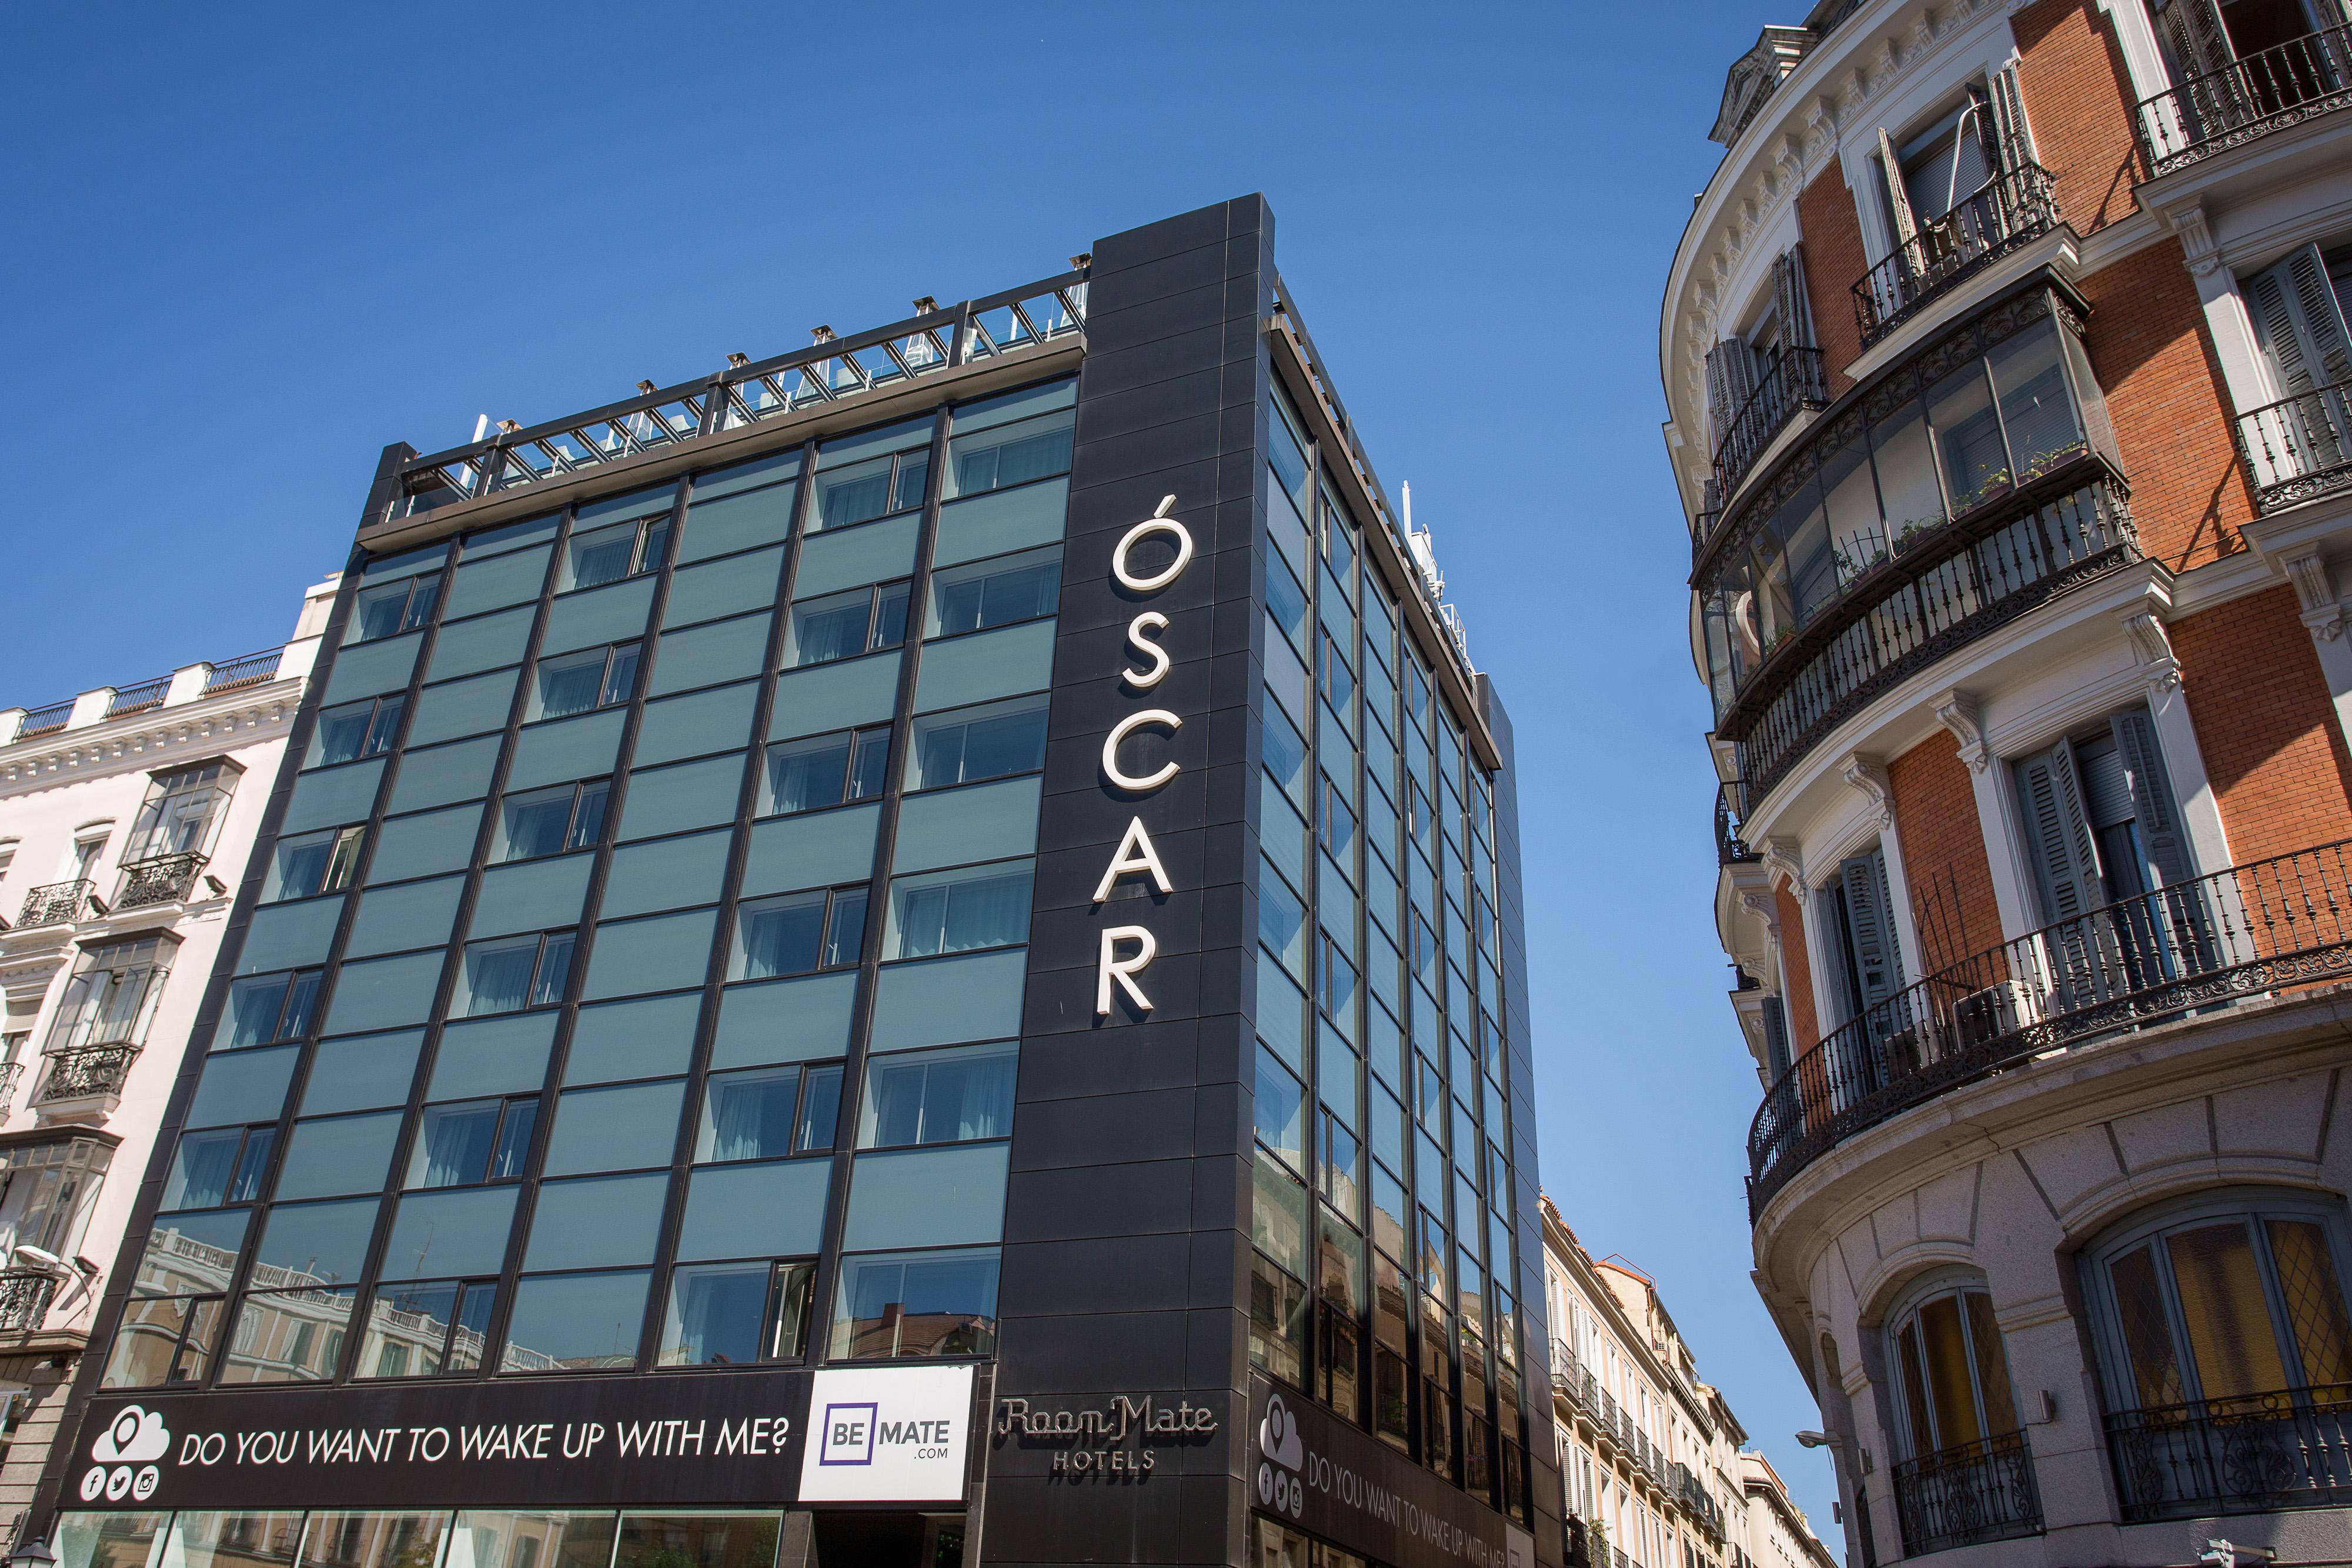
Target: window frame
{"x": 649, "y": 548}
{"x": 876, "y": 619}
{"x": 535, "y": 709}
{"x": 502, "y": 839}
{"x": 535, "y": 983}
{"x": 420, "y": 599}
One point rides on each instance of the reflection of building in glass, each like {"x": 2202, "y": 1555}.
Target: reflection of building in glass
{"x": 977, "y": 834}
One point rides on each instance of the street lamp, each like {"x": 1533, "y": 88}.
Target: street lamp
{"x": 1818, "y": 1440}
{"x": 33, "y": 1553}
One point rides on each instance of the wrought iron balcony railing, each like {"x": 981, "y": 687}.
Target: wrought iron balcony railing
{"x": 2006, "y": 211}
{"x": 1938, "y": 590}
{"x": 45, "y": 720}
{"x": 60, "y": 904}
{"x": 2268, "y": 90}
{"x": 2299, "y": 447}
{"x": 1791, "y": 381}
{"x": 1960, "y": 1496}
{"x": 25, "y": 1297}
{"x": 1730, "y": 849}
{"x": 10, "y": 1072}
{"x": 250, "y": 669}
{"x": 139, "y": 698}
{"x": 2204, "y": 942}
{"x": 2288, "y": 1448}
{"x": 159, "y": 879}
{"x": 85, "y": 1073}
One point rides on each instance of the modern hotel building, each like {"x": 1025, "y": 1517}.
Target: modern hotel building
{"x": 2007, "y": 367}
{"x": 917, "y": 959}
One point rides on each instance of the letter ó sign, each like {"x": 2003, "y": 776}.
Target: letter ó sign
{"x": 1127, "y": 950}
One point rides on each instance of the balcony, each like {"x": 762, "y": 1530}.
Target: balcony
{"x": 2299, "y": 448}
{"x": 60, "y": 904}
{"x": 1730, "y": 849}
{"x": 2005, "y": 212}
{"x": 1973, "y": 1492}
{"x": 2238, "y": 933}
{"x": 24, "y": 1296}
{"x": 84, "y": 1080}
{"x": 2289, "y": 1448}
{"x": 45, "y": 720}
{"x": 139, "y": 698}
{"x": 249, "y": 670}
{"x": 1791, "y": 381}
{"x": 1937, "y": 589}
{"x": 161, "y": 879}
{"x": 2247, "y": 99}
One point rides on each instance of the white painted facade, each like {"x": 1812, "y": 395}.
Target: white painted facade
{"x": 119, "y": 860}
{"x": 1771, "y": 1531}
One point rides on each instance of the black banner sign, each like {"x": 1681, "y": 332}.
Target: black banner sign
{"x": 1329, "y": 1479}
{"x": 725, "y": 1438}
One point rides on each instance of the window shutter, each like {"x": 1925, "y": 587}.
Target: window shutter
{"x": 1788, "y": 298}
{"x": 2061, "y": 833}
{"x": 1730, "y": 377}
{"x": 2010, "y": 127}
{"x": 1878, "y": 965}
{"x": 2303, "y": 329}
{"x": 1898, "y": 202}
{"x": 2152, "y": 792}
{"x": 1776, "y": 1038}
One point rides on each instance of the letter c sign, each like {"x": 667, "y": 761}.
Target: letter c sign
{"x": 1127, "y": 950}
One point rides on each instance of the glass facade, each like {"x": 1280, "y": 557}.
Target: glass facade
{"x": 667, "y": 1010}
{"x": 1383, "y": 1218}
{"x": 543, "y": 1052}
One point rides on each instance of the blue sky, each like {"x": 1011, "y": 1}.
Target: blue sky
{"x": 250, "y": 249}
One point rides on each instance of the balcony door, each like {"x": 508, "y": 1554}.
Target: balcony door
{"x": 2238, "y": 1306}
{"x": 181, "y": 811}
{"x": 1952, "y": 1378}
{"x": 2297, "y": 305}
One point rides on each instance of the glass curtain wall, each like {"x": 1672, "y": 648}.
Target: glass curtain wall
{"x": 1383, "y": 1208}
{"x": 580, "y": 926}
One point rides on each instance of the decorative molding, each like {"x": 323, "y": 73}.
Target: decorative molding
{"x": 1868, "y": 775}
{"x": 1957, "y": 712}
{"x": 87, "y": 751}
{"x": 2202, "y": 253}
{"x": 2323, "y": 612}
{"x": 1783, "y": 857}
{"x": 2152, "y": 651}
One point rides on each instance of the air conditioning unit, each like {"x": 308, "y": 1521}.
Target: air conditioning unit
{"x": 1999, "y": 1009}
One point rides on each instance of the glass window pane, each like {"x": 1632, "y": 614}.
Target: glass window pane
{"x": 940, "y": 1097}
{"x": 717, "y": 720}
{"x": 576, "y": 1322}
{"x": 232, "y": 1539}
{"x": 771, "y": 1209}
{"x": 806, "y": 775}
{"x": 497, "y": 583}
{"x": 667, "y": 952}
{"x": 484, "y": 1539}
{"x": 647, "y": 1038}
{"x": 645, "y": 878}
{"x": 627, "y": 1128}
{"x": 384, "y": 993}
{"x": 340, "y": 1154}
{"x": 698, "y": 1540}
{"x": 681, "y": 796}
{"x": 248, "y": 1086}
{"x": 966, "y": 745}
{"x": 717, "y": 526}
{"x": 916, "y": 1303}
{"x": 991, "y": 594}
{"x": 486, "y": 642}
{"x": 596, "y": 1222}
{"x": 455, "y": 1232}
{"x": 779, "y": 936}
{"x": 444, "y": 774}
{"x": 2222, "y": 1306}
{"x": 421, "y": 845}
{"x": 1009, "y": 455}
{"x": 715, "y": 1315}
{"x": 314, "y": 1243}
{"x": 722, "y": 650}
{"x": 959, "y": 911}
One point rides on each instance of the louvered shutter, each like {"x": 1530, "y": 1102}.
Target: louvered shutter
{"x": 2153, "y": 807}
{"x": 1719, "y": 392}
{"x": 1878, "y": 964}
{"x": 2013, "y": 135}
{"x": 1788, "y": 298}
{"x": 2060, "y": 832}
{"x": 2303, "y": 329}
{"x": 1898, "y": 201}
{"x": 1776, "y": 1038}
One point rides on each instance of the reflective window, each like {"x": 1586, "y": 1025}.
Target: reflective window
{"x": 576, "y": 1322}
{"x": 262, "y": 1009}
{"x": 843, "y": 625}
{"x": 964, "y": 746}
{"x": 579, "y": 683}
{"x": 957, "y": 911}
{"x": 389, "y": 608}
{"x": 1009, "y": 455}
{"x": 427, "y": 1328}
{"x": 769, "y": 1113}
{"x": 513, "y": 972}
{"x": 729, "y": 1314}
{"x": 997, "y": 592}
{"x": 313, "y": 864}
{"x": 551, "y": 822}
{"x": 798, "y": 933}
{"x": 472, "y": 1142}
{"x": 219, "y": 1166}
{"x": 916, "y": 1303}
{"x": 355, "y": 731}
{"x": 631, "y": 1126}
{"x": 825, "y": 771}
{"x": 862, "y": 491}
{"x": 604, "y": 555}
{"x": 939, "y": 1096}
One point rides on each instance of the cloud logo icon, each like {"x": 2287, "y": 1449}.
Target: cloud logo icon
{"x": 1277, "y": 1435}
{"x": 132, "y": 1437}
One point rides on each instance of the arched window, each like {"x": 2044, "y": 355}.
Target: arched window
{"x": 2227, "y": 1300}
{"x": 1951, "y": 1375}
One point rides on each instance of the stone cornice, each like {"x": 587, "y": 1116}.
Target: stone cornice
{"x": 136, "y": 742}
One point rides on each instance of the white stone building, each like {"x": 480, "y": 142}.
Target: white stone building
{"x": 126, "y": 816}
{"x": 1770, "y": 1531}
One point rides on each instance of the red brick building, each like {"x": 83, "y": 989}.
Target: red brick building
{"x": 2011, "y": 395}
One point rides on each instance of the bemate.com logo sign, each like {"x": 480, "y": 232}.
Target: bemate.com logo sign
{"x": 122, "y": 1459}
